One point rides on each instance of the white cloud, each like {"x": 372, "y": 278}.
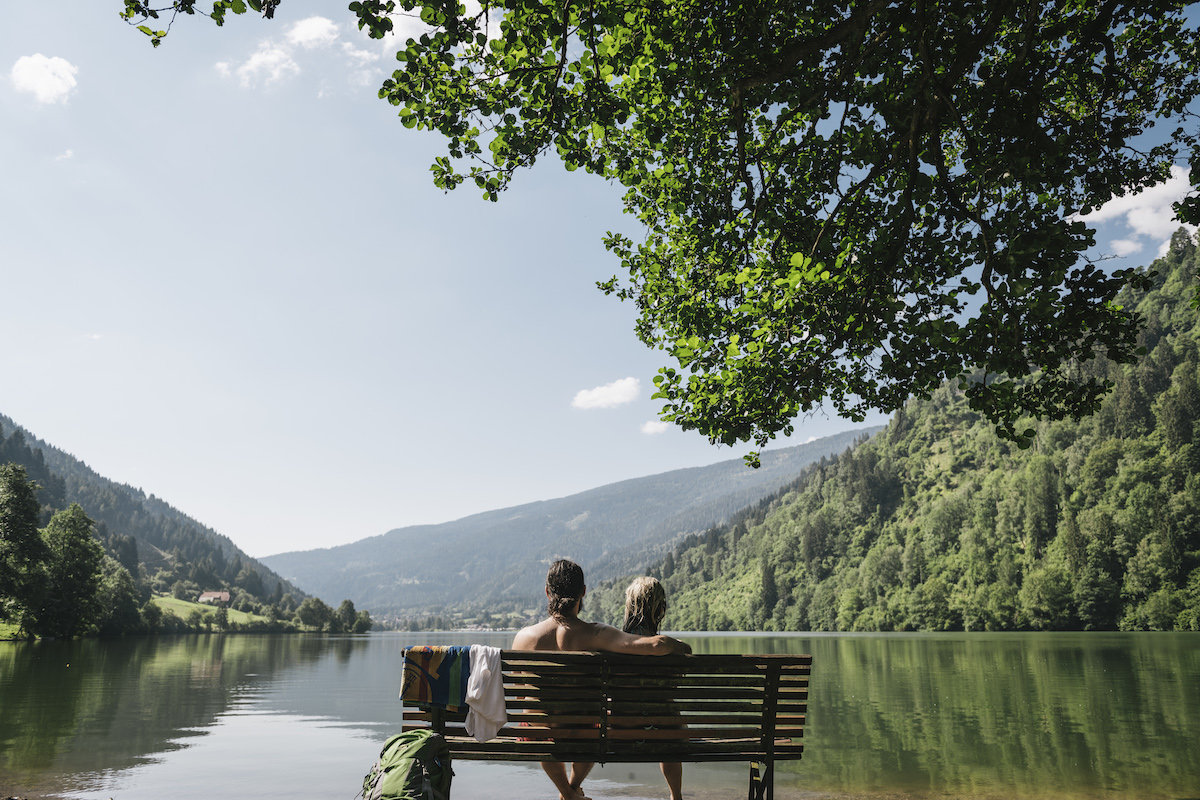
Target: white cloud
{"x": 65, "y": 156}
{"x": 49, "y": 80}
{"x": 361, "y": 56}
{"x": 270, "y": 63}
{"x": 655, "y": 427}
{"x": 276, "y": 60}
{"x": 357, "y": 56}
{"x": 313, "y": 32}
{"x": 1148, "y": 214}
{"x": 609, "y": 395}
{"x": 1125, "y": 247}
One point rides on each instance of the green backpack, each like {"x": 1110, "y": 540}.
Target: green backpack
{"x": 414, "y": 765}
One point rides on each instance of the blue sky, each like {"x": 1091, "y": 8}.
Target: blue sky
{"x": 228, "y": 279}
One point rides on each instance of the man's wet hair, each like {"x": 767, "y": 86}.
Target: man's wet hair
{"x": 564, "y": 583}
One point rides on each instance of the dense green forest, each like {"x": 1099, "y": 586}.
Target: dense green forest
{"x": 937, "y": 524}
{"x": 82, "y": 555}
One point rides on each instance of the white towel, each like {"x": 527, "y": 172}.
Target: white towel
{"x": 485, "y": 693}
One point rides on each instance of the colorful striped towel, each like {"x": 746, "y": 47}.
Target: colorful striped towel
{"x": 436, "y": 676}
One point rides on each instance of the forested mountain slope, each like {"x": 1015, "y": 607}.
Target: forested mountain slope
{"x": 497, "y": 560}
{"x": 936, "y": 524}
{"x": 135, "y": 528}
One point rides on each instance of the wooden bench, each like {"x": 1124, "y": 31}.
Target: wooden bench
{"x": 609, "y": 707}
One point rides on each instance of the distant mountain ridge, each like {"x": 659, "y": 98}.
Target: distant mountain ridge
{"x": 497, "y": 559}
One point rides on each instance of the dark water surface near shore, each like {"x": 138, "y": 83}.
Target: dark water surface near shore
{"x": 1100, "y": 715}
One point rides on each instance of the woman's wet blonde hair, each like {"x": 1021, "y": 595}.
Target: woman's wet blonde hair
{"x": 645, "y": 606}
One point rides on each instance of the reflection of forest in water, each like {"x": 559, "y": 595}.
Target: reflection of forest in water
{"x": 972, "y": 715}
{"x": 1068, "y": 714}
{"x": 88, "y": 706}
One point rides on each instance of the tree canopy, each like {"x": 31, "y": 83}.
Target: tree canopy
{"x": 70, "y": 602}
{"x": 844, "y": 203}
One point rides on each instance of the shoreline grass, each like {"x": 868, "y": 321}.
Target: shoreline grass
{"x": 180, "y": 608}
{"x": 183, "y": 608}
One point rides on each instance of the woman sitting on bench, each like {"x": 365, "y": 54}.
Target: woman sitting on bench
{"x": 645, "y": 607}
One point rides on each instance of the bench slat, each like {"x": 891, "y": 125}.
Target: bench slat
{"x": 631, "y": 752}
{"x": 688, "y": 705}
{"x": 587, "y": 658}
{"x": 686, "y": 710}
{"x": 617, "y": 720}
{"x": 633, "y": 734}
{"x": 690, "y": 692}
{"x": 646, "y": 750}
{"x": 691, "y": 732}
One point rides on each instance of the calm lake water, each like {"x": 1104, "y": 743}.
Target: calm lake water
{"x": 1073, "y": 715}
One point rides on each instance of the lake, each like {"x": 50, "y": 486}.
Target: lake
{"x": 1068, "y": 715}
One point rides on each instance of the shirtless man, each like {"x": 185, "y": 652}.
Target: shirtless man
{"x": 564, "y": 630}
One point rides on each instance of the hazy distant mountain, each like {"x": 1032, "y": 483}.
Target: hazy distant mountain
{"x": 498, "y": 558}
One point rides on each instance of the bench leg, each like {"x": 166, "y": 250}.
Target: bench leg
{"x": 762, "y": 781}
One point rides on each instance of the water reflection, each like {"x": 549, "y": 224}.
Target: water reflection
{"x": 1003, "y": 715}
{"x": 966, "y": 715}
{"x": 88, "y": 706}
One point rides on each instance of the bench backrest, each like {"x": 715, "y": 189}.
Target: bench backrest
{"x": 609, "y": 707}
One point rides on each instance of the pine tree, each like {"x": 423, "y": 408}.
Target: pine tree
{"x": 21, "y": 547}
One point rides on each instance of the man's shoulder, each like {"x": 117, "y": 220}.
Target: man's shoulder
{"x": 524, "y": 639}
{"x": 531, "y": 636}
{"x": 599, "y": 634}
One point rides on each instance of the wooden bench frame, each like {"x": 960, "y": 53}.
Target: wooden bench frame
{"x": 609, "y": 707}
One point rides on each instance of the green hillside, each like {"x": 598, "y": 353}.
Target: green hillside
{"x": 139, "y": 528}
{"x": 937, "y": 524}
{"x": 82, "y": 555}
{"x": 185, "y": 608}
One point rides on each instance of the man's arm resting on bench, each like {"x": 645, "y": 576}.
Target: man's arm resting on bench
{"x": 612, "y": 640}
